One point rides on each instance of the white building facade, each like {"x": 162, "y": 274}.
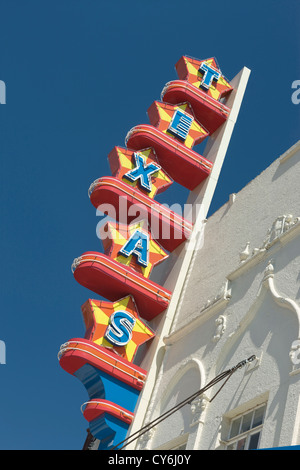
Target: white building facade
{"x": 240, "y": 297}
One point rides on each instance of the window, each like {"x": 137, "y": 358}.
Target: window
{"x": 245, "y": 430}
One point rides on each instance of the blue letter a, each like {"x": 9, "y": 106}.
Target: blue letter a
{"x": 138, "y": 245}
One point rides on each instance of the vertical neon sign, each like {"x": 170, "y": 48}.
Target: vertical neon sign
{"x": 156, "y": 154}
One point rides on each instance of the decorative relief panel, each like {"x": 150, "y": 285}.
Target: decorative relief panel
{"x": 198, "y": 406}
{"x": 220, "y": 327}
{"x": 279, "y": 228}
{"x": 223, "y": 294}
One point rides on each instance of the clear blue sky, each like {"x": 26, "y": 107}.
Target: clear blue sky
{"x": 79, "y": 75}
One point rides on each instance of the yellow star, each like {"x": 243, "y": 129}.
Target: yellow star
{"x": 116, "y": 240}
{"x": 97, "y": 317}
{"x": 122, "y": 161}
{"x": 189, "y": 69}
{"x": 161, "y": 114}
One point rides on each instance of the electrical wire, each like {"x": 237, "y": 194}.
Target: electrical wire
{"x": 227, "y": 373}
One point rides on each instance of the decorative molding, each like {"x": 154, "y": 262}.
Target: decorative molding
{"x": 285, "y": 302}
{"x": 198, "y": 406}
{"x": 267, "y": 284}
{"x": 245, "y": 253}
{"x": 280, "y": 226}
{"x": 232, "y": 198}
{"x": 158, "y": 399}
{"x": 145, "y": 439}
{"x": 224, "y": 294}
{"x": 290, "y": 152}
{"x": 210, "y": 308}
{"x": 283, "y": 230}
{"x": 220, "y": 327}
{"x": 295, "y": 357}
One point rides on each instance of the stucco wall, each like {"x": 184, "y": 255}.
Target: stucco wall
{"x": 233, "y": 308}
{"x": 273, "y": 193}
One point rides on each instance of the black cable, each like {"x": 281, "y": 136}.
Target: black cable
{"x": 228, "y": 373}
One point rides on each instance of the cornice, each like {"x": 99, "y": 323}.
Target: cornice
{"x": 210, "y": 308}
{"x": 290, "y": 152}
{"x": 284, "y": 229}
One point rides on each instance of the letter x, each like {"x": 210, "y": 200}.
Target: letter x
{"x": 142, "y": 172}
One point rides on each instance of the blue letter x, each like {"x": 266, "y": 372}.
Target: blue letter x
{"x": 142, "y": 172}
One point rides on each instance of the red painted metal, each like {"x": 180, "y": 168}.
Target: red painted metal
{"x": 97, "y": 407}
{"x": 210, "y": 112}
{"x": 184, "y": 165}
{"x": 78, "y": 351}
{"x": 167, "y": 227}
{"x": 114, "y": 280}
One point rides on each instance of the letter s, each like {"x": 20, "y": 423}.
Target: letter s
{"x": 119, "y": 331}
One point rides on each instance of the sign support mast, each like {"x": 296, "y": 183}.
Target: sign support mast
{"x": 200, "y": 197}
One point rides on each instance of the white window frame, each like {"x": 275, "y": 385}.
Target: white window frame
{"x": 233, "y": 441}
